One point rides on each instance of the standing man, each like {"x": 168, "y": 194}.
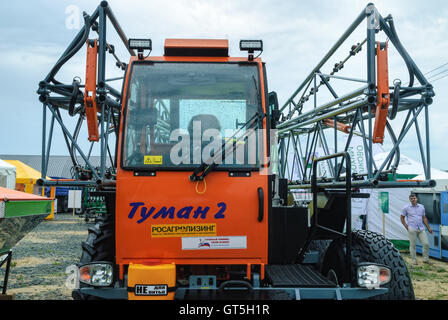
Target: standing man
{"x": 416, "y": 220}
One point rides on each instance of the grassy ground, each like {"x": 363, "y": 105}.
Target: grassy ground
{"x": 430, "y": 281}
{"x": 40, "y": 260}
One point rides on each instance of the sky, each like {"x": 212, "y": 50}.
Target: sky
{"x": 296, "y": 36}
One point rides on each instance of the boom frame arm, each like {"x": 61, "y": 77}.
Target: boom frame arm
{"x": 97, "y": 101}
{"x": 349, "y": 112}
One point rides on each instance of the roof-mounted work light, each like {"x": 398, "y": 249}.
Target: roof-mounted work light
{"x": 251, "y": 46}
{"x": 140, "y": 45}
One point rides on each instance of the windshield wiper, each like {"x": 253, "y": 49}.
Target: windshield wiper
{"x": 206, "y": 166}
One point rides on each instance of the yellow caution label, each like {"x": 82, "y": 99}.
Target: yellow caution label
{"x": 183, "y": 230}
{"x": 153, "y": 160}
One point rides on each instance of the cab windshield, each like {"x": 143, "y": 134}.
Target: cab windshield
{"x": 179, "y": 115}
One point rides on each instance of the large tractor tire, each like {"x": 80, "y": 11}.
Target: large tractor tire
{"x": 99, "y": 246}
{"x": 369, "y": 246}
{"x": 100, "y": 243}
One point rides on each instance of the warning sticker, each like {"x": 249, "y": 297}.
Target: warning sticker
{"x": 204, "y": 243}
{"x": 183, "y": 230}
{"x": 153, "y": 160}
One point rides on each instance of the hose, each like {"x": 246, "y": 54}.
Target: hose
{"x": 72, "y": 52}
{"x": 394, "y": 37}
{"x": 75, "y": 138}
{"x": 71, "y": 106}
{"x": 395, "y": 100}
{"x": 396, "y": 155}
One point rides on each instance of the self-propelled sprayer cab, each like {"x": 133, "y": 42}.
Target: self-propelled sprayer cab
{"x": 191, "y": 187}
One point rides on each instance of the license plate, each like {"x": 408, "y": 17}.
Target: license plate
{"x": 151, "y": 290}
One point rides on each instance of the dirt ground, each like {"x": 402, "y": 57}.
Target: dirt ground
{"x": 430, "y": 281}
{"x": 40, "y": 260}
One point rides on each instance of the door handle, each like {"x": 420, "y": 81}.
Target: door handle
{"x": 260, "y": 204}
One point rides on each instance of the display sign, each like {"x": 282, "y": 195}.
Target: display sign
{"x": 384, "y": 201}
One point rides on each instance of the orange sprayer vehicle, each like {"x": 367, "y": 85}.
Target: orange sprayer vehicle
{"x": 184, "y": 213}
{"x": 196, "y": 205}
{"x": 169, "y": 217}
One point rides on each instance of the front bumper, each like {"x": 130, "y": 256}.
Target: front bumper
{"x": 262, "y": 293}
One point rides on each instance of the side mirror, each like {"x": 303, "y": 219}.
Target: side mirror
{"x": 274, "y": 111}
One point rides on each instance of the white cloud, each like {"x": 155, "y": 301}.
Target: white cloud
{"x": 296, "y": 36}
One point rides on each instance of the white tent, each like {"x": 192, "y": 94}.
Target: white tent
{"x": 370, "y": 207}
{"x": 398, "y": 199}
{"x": 410, "y": 166}
{"x": 358, "y": 160}
{"x": 435, "y": 175}
{"x": 7, "y": 175}
{"x": 358, "y": 165}
{"x": 391, "y": 225}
